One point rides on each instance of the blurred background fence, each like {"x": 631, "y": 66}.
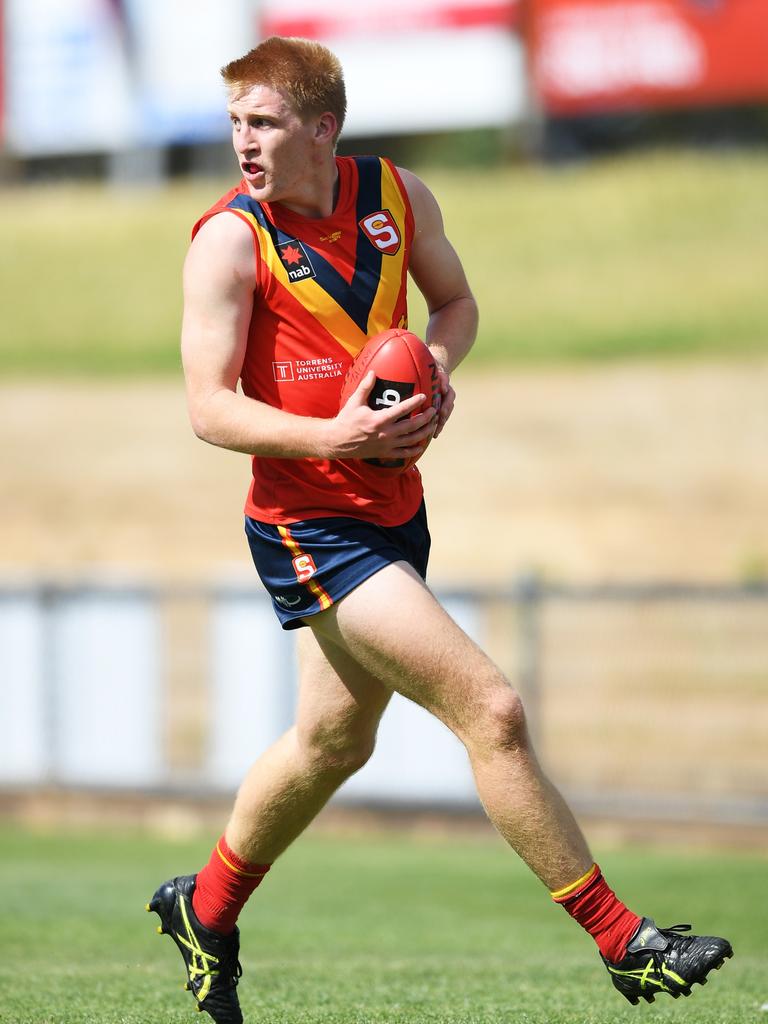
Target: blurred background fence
{"x": 648, "y": 701}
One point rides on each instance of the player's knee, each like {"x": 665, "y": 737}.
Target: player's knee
{"x": 500, "y": 722}
{"x": 337, "y": 750}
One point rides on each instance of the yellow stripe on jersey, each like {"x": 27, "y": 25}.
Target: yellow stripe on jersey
{"x": 382, "y": 310}
{"x": 314, "y": 298}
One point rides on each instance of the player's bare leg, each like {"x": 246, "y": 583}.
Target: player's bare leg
{"x": 393, "y": 626}
{"x": 338, "y": 713}
{"x": 396, "y": 629}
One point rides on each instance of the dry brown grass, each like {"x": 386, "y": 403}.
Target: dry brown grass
{"x": 628, "y": 471}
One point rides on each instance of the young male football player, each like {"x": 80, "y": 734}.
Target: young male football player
{"x": 287, "y": 277}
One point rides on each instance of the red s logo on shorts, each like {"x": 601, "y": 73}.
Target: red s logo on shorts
{"x": 304, "y": 567}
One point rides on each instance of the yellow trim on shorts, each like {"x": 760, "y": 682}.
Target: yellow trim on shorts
{"x": 315, "y": 588}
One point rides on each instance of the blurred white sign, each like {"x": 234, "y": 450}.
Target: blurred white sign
{"x": 67, "y": 81}
{"x": 105, "y": 75}
{"x": 416, "y": 65}
{"x": 177, "y": 51}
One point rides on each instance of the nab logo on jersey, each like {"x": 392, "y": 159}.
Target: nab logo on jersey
{"x": 296, "y": 261}
{"x": 382, "y": 231}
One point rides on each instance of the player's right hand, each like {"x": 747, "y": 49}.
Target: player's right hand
{"x": 397, "y": 432}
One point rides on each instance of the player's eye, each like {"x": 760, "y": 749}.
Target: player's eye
{"x": 235, "y": 122}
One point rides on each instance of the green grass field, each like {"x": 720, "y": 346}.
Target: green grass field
{"x": 360, "y": 931}
{"x": 652, "y": 254}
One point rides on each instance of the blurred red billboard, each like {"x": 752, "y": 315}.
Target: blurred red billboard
{"x": 589, "y": 56}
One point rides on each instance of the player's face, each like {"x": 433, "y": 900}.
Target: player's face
{"x": 274, "y": 146}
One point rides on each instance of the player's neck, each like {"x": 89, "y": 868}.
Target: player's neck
{"x": 320, "y": 200}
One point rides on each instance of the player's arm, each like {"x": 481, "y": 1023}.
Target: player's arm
{"x": 219, "y": 283}
{"x": 437, "y": 271}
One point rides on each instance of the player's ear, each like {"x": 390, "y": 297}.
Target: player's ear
{"x": 325, "y": 130}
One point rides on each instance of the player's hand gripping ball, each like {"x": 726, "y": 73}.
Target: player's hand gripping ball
{"x": 403, "y": 366}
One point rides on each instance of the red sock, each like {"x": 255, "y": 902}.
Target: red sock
{"x": 596, "y": 908}
{"x": 223, "y": 887}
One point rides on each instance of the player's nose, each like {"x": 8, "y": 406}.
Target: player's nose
{"x": 246, "y": 143}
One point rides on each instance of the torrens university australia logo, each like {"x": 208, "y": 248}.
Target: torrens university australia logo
{"x": 321, "y": 368}
{"x": 295, "y": 260}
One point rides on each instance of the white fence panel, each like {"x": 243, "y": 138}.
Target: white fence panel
{"x": 107, "y": 690}
{"x": 23, "y": 751}
{"x": 84, "y": 692}
{"x": 253, "y": 684}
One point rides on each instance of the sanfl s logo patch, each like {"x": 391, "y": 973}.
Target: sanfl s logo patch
{"x": 382, "y": 231}
{"x": 304, "y": 567}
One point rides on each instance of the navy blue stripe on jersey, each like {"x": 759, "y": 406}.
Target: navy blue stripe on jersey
{"x": 367, "y": 257}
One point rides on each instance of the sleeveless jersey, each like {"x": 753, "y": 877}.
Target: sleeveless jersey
{"x": 323, "y": 287}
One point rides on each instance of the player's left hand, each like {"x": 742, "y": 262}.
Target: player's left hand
{"x": 447, "y": 399}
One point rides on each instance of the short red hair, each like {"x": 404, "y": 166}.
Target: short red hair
{"x": 308, "y": 73}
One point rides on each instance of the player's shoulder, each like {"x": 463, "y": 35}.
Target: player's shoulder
{"x": 426, "y": 209}
{"x": 222, "y": 245}
{"x": 224, "y": 220}
{"x": 411, "y": 181}
{"x": 223, "y": 233}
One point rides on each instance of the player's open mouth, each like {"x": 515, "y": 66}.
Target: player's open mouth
{"x": 249, "y": 167}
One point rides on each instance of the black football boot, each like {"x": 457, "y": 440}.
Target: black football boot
{"x": 211, "y": 959}
{"x": 664, "y": 960}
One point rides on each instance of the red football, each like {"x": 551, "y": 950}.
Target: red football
{"x": 403, "y": 366}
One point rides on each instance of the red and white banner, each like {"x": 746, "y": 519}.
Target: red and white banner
{"x": 603, "y": 55}
{"x": 415, "y": 65}
{"x": 350, "y": 17}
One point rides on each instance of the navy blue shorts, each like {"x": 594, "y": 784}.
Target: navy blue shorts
{"x": 308, "y": 566}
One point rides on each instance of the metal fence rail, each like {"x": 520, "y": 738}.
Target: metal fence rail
{"x": 647, "y": 700}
